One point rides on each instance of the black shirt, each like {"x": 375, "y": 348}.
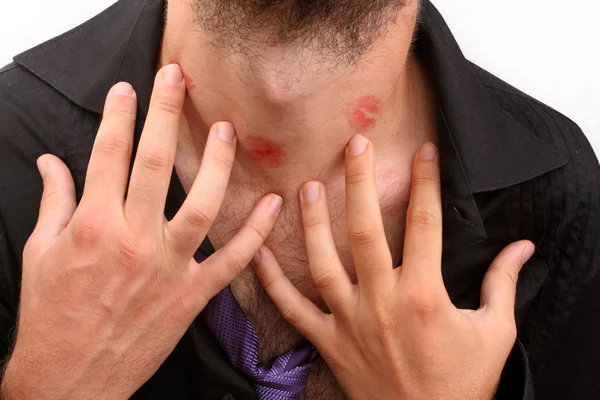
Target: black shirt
{"x": 512, "y": 168}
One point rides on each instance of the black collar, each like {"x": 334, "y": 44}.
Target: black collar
{"x": 482, "y": 147}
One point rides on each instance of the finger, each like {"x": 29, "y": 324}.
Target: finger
{"x": 58, "y": 200}
{"x": 423, "y": 238}
{"x": 222, "y": 267}
{"x": 155, "y": 156}
{"x": 108, "y": 170}
{"x": 366, "y": 234}
{"x": 197, "y": 214}
{"x": 499, "y": 287}
{"x": 300, "y": 312}
{"x": 326, "y": 269}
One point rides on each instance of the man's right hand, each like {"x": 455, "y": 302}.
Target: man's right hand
{"x": 109, "y": 287}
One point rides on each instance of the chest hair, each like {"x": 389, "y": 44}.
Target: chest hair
{"x": 275, "y": 335}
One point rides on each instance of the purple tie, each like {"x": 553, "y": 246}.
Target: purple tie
{"x": 283, "y": 378}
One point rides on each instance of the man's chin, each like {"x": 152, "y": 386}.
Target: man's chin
{"x": 341, "y": 29}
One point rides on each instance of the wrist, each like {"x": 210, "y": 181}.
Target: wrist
{"x": 10, "y": 387}
{"x": 21, "y": 381}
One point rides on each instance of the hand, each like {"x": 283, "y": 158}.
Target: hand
{"x": 110, "y": 287}
{"x": 396, "y": 334}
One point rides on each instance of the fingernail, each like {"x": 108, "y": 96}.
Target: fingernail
{"x": 357, "y": 145}
{"x": 275, "y": 204}
{"x": 42, "y": 165}
{"x": 173, "y": 75}
{"x": 428, "y": 152}
{"x": 225, "y": 131}
{"x": 123, "y": 89}
{"x": 256, "y": 259}
{"x": 528, "y": 252}
{"x": 311, "y": 192}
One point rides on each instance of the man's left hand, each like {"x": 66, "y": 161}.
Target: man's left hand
{"x": 396, "y": 334}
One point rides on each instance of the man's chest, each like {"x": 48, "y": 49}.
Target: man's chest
{"x": 287, "y": 242}
{"x": 287, "y": 238}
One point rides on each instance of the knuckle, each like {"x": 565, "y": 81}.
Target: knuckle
{"x": 291, "y": 315}
{"x": 168, "y": 105}
{"x": 50, "y": 194}
{"x": 312, "y": 222}
{"x": 421, "y": 305}
{"x": 89, "y": 228}
{"x": 268, "y": 283}
{"x": 325, "y": 279}
{"x": 114, "y": 145}
{"x": 222, "y": 161}
{"x": 155, "y": 159}
{"x": 425, "y": 178}
{"x": 357, "y": 178}
{"x": 131, "y": 251}
{"x": 236, "y": 262}
{"x": 423, "y": 217}
{"x": 199, "y": 217}
{"x": 122, "y": 107}
{"x": 258, "y": 231}
{"x": 512, "y": 276}
{"x": 363, "y": 237}
{"x": 146, "y": 193}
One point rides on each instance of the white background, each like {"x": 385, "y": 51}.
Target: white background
{"x": 547, "y": 48}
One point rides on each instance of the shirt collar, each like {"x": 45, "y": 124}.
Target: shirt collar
{"x": 495, "y": 150}
{"x": 122, "y": 43}
{"x": 482, "y": 147}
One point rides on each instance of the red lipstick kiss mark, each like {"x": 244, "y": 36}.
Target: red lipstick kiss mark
{"x": 189, "y": 83}
{"x": 265, "y": 151}
{"x": 362, "y": 111}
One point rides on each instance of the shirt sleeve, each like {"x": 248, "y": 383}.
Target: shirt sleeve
{"x": 563, "y": 340}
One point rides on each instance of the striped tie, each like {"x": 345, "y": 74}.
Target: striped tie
{"x": 283, "y": 378}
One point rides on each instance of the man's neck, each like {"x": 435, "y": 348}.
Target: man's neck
{"x": 294, "y": 117}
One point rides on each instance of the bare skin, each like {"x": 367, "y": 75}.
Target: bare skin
{"x": 396, "y": 334}
{"x": 119, "y": 292}
{"x": 309, "y": 112}
{"x": 101, "y": 278}
{"x": 310, "y": 115}
{"x": 293, "y": 121}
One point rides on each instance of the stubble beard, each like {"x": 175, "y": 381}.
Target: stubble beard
{"x": 338, "y": 31}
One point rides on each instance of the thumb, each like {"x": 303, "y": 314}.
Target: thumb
{"x": 499, "y": 288}
{"x": 58, "y": 199}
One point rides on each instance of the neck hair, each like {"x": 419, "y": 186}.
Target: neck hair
{"x": 326, "y": 31}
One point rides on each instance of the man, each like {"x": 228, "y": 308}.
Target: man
{"x": 298, "y": 80}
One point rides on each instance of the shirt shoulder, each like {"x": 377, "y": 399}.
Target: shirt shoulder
{"x": 28, "y": 119}
{"x": 28, "y": 108}
{"x": 577, "y": 182}
{"x": 559, "y": 211}
{"x": 545, "y": 122}
{"x": 35, "y": 119}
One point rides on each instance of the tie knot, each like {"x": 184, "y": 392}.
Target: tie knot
{"x": 282, "y": 378}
